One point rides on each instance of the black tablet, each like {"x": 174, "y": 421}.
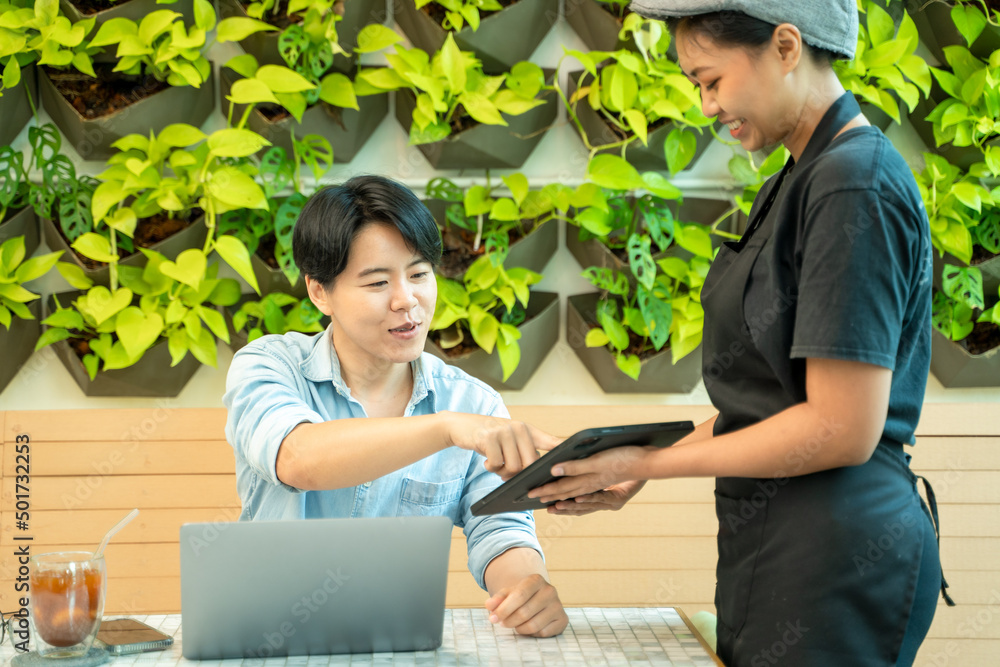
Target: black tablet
{"x": 512, "y": 495}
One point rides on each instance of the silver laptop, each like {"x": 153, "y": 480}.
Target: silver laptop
{"x": 310, "y": 587}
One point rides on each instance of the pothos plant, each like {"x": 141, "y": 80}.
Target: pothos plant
{"x": 449, "y": 86}
{"x": 636, "y": 92}
{"x": 885, "y": 62}
{"x": 663, "y": 304}
{"x": 15, "y": 270}
{"x": 970, "y": 116}
{"x": 51, "y": 37}
{"x": 459, "y": 12}
{"x": 114, "y": 326}
{"x": 14, "y": 51}
{"x": 488, "y": 300}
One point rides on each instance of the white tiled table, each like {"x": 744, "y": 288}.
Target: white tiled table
{"x": 595, "y": 636}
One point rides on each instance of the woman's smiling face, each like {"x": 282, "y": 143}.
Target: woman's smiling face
{"x": 743, "y": 88}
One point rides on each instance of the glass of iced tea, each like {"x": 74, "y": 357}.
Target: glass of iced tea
{"x": 67, "y": 601}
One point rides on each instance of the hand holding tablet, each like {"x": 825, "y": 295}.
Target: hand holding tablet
{"x": 512, "y": 496}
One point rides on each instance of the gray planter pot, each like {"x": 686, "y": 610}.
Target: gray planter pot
{"x": 531, "y": 252}
{"x": 151, "y": 376}
{"x": 990, "y": 270}
{"x": 960, "y": 156}
{"x": 18, "y": 343}
{"x": 23, "y": 223}
{"x": 937, "y": 30}
{"x": 644, "y": 158}
{"x": 539, "y": 334}
{"x": 15, "y": 107}
{"x": 503, "y": 39}
{"x": 658, "y": 374}
{"x": 192, "y": 236}
{"x": 346, "y": 129}
{"x": 597, "y": 28}
{"x": 592, "y": 252}
{"x": 484, "y": 146}
{"x": 264, "y": 45}
{"x": 134, "y": 10}
{"x": 274, "y": 280}
{"x": 92, "y": 137}
{"x": 954, "y": 366}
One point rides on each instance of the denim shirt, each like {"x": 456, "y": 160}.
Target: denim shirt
{"x": 278, "y": 382}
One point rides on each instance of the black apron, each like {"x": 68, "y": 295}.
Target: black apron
{"x": 819, "y": 569}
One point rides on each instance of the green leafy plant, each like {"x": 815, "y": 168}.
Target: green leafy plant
{"x": 60, "y": 195}
{"x": 278, "y": 172}
{"x": 161, "y": 46}
{"x": 885, "y": 62}
{"x": 14, "y": 51}
{"x": 180, "y": 170}
{"x": 494, "y": 220}
{"x": 15, "y": 270}
{"x": 972, "y": 16}
{"x": 277, "y": 313}
{"x": 634, "y": 93}
{"x": 172, "y": 301}
{"x": 970, "y": 116}
{"x": 488, "y": 304}
{"x": 961, "y": 211}
{"x": 450, "y": 88}
{"x": 460, "y": 12}
{"x": 54, "y": 38}
{"x": 960, "y": 300}
{"x": 663, "y": 304}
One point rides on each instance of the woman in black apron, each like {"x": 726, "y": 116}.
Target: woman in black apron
{"x": 816, "y": 353}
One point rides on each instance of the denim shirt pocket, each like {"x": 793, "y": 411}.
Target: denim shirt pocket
{"x": 419, "y": 498}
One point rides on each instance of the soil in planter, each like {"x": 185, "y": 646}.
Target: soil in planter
{"x": 439, "y": 13}
{"x": 108, "y": 93}
{"x": 979, "y": 253}
{"x": 88, "y": 7}
{"x": 984, "y": 337}
{"x": 457, "y": 254}
{"x": 275, "y": 113}
{"x": 278, "y": 16}
{"x": 148, "y": 232}
{"x": 265, "y": 251}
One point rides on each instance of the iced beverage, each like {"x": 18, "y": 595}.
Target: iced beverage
{"x": 67, "y": 601}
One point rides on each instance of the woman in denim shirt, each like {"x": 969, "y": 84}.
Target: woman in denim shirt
{"x": 358, "y": 421}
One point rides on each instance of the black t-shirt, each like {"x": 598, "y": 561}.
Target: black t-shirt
{"x": 844, "y": 272}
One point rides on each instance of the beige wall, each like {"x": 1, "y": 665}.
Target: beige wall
{"x": 89, "y": 467}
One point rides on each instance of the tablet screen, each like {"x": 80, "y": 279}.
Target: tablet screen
{"x": 512, "y": 495}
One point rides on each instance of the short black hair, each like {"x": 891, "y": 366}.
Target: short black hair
{"x": 333, "y": 217}
{"x": 732, "y": 29}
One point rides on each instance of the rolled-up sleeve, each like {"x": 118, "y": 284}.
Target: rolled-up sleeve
{"x": 489, "y": 536}
{"x": 264, "y": 403}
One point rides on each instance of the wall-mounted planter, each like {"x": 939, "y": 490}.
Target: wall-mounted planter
{"x": 658, "y": 374}
{"x": 264, "y": 45}
{"x": 531, "y": 252}
{"x": 192, "y": 236}
{"x": 643, "y": 158}
{"x": 592, "y": 252}
{"x": 151, "y": 376}
{"x": 955, "y": 366}
{"x": 484, "y": 146}
{"x": 596, "y": 27}
{"x": 15, "y": 108}
{"x": 346, "y": 129}
{"x": 539, "y": 334}
{"x": 270, "y": 279}
{"x": 937, "y": 30}
{"x": 503, "y": 38}
{"x": 23, "y": 223}
{"x": 92, "y": 137}
{"x": 18, "y": 343}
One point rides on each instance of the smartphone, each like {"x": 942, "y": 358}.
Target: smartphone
{"x": 121, "y": 636}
